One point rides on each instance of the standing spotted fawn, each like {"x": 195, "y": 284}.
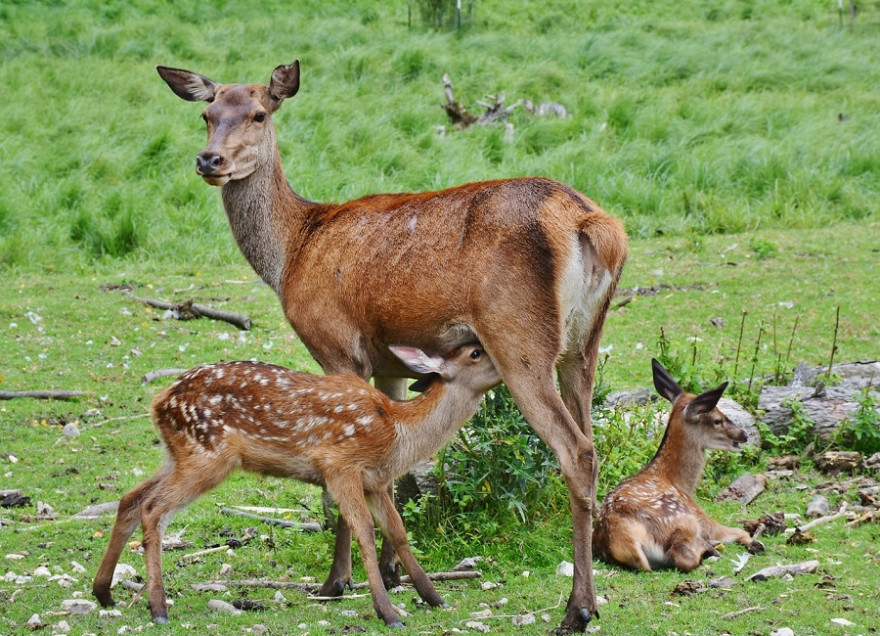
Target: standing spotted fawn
{"x": 651, "y": 520}
{"x": 336, "y": 431}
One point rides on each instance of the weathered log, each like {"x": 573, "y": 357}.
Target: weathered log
{"x": 835, "y": 462}
{"x": 149, "y": 376}
{"x": 188, "y": 310}
{"x": 41, "y": 395}
{"x": 309, "y": 526}
{"x": 776, "y": 571}
{"x": 744, "y": 489}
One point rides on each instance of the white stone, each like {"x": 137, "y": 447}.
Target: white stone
{"x": 78, "y": 606}
{"x": 122, "y": 572}
{"x": 565, "y": 569}
{"x": 523, "y": 619}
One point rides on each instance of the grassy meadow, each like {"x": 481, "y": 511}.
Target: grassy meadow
{"x": 736, "y": 140}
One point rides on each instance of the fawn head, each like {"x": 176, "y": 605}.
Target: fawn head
{"x": 241, "y": 136}
{"x": 468, "y": 366}
{"x": 700, "y": 413}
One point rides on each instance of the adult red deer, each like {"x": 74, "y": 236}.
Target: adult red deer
{"x": 526, "y": 266}
{"x": 335, "y": 431}
{"x": 651, "y": 520}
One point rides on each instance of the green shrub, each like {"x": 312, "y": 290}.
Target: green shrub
{"x": 861, "y": 431}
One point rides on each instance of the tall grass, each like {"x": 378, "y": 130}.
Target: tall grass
{"x": 687, "y": 116}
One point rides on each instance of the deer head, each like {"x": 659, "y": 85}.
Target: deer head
{"x": 700, "y": 413}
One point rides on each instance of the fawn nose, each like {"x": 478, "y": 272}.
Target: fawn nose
{"x": 208, "y": 163}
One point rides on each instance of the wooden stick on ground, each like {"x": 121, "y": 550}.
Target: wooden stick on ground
{"x": 149, "y": 376}
{"x": 820, "y": 520}
{"x": 189, "y": 309}
{"x": 41, "y": 395}
{"x": 309, "y": 526}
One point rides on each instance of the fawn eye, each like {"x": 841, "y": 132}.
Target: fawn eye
{"x": 475, "y": 354}
{"x": 259, "y": 117}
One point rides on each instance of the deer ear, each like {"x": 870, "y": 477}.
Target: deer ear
{"x": 705, "y": 401}
{"x": 663, "y": 382}
{"x": 417, "y": 360}
{"x": 188, "y": 85}
{"x": 284, "y": 82}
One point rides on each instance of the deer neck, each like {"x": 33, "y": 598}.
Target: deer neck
{"x": 425, "y": 424}
{"x": 264, "y": 213}
{"x": 680, "y": 459}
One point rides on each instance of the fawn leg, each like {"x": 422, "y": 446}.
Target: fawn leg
{"x": 389, "y": 521}
{"x": 128, "y": 515}
{"x": 347, "y": 488}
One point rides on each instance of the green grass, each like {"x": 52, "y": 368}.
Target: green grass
{"x": 686, "y": 117}
{"x": 711, "y": 129}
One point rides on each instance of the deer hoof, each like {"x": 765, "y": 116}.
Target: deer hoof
{"x": 756, "y": 547}
{"x": 391, "y": 575}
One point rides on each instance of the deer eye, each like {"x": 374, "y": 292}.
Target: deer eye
{"x": 259, "y": 117}
{"x": 475, "y": 354}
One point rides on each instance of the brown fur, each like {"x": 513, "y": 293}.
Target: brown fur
{"x": 490, "y": 261}
{"x": 651, "y": 520}
{"x": 336, "y": 431}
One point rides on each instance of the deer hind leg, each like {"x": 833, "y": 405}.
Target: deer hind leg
{"x": 386, "y": 515}
{"x": 526, "y": 365}
{"x": 686, "y": 548}
{"x": 625, "y": 543}
{"x": 714, "y": 531}
{"x": 128, "y": 516}
{"x": 173, "y": 492}
{"x": 348, "y": 490}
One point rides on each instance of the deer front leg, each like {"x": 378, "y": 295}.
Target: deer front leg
{"x": 389, "y": 521}
{"x": 340, "y": 572}
{"x": 349, "y": 493}
{"x": 714, "y": 531}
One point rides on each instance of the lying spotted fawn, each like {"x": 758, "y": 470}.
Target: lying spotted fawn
{"x": 651, "y": 519}
{"x": 336, "y": 431}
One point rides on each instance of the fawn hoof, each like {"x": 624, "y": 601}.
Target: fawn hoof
{"x": 756, "y": 547}
{"x": 391, "y": 576}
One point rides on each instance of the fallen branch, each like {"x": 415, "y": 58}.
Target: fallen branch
{"x": 821, "y": 520}
{"x": 434, "y": 576}
{"x": 188, "y": 310}
{"x": 309, "y": 526}
{"x": 192, "y": 556}
{"x": 292, "y": 585}
{"x": 149, "y": 376}
{"x": 776, "y": 571}
{"x": 41, "y": 395}
{"x": 745, "y": 610}
{"x": 866, "y": 516}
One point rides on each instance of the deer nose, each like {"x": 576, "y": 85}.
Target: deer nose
{"x": 208, "y": 163}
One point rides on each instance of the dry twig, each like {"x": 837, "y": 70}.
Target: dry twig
{"x": 188, "y": 309}
{"x": 41, "y": 395}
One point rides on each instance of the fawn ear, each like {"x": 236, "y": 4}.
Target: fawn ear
{"x": 417, "y": 360}
{"x": 663, "y": 382}
{"x": 705, "y": 401}
{"x": 188, "y": 85}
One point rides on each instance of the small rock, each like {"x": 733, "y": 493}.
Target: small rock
{"x": 78, "y": 606}
{"x": 35, "y": 623}
{"x": 565, "y": 569}
{"x": 470, "y": 563}
{"x": 501, "y": 602}
{"x": 122, "y": 572}
{"x": 477, "y": 625}
{"x": 223, "y": 606}
{"x": 348, "y": 613}
{"x": 783, "y": 631}
{"x": 819, "y": 507}
{"x": 14, "y": 556}
{"x": 70, "y": 430}
{"x": 488, "y": 585}
{"x": 112, "y": 613}
{"x": 78, "y": 568}
{"x": 42, "y": 571}
{"x": 62, "y": 626}
{"x": 842, "y": 622}
{"x": 486, "y": 613}
{"x": 523, "y": 619}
